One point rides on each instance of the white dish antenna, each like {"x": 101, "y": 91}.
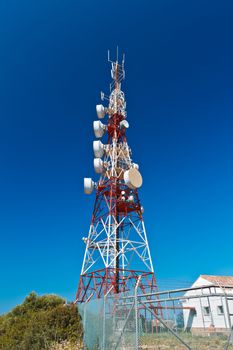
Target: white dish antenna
{"x": 124, "y": 124}
{"x": 88, "y": 185}
{"x": 98, "y": 165}
{"x": 133, "y": 178}
{"x": 100, "y": 110}
{"x": 135, "y": 166}
{"x": 98, "y": 148}
{"x": 99, "y": 128}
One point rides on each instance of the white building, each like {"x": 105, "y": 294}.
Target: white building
{"x": 209, "y": 304}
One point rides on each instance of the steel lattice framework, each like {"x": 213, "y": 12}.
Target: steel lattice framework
{"x": 117, "y": 251}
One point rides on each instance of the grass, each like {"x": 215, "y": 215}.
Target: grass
{"x": 66, "y": 345}
{"x": 167, "y": 341}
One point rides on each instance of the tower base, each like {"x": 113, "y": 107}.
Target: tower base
{"x": 99, "y": 283}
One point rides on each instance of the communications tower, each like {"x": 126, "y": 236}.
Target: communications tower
{"x": 117, "y": 251}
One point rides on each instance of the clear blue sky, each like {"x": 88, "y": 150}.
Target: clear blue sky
{"x": 179, "y": 90}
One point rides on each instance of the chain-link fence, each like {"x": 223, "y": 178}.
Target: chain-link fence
{"x": 195, "y": 318}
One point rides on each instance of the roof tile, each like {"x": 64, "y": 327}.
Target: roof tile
{"x": 219, "y": 280}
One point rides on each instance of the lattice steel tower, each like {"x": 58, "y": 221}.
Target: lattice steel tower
{"x": 117, "y": 250}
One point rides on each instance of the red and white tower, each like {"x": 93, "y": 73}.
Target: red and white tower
{"x": 117, "y": 250}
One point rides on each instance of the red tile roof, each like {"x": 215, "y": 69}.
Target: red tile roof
{"x": 219, "y": 280}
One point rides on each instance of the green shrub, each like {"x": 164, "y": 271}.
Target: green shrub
{"x": 38, "y": 322}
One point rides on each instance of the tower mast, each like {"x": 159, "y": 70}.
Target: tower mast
{"x": 117, "y": 250}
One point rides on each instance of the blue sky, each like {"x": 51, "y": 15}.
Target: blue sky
{"x": 179, "y": 88}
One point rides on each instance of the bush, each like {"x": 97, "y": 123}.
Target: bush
{"x": 38, "y": 322}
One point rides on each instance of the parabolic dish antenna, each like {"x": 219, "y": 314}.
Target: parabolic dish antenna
{"x": 98, "y": 149}
{"x": 88, "y": 185}
{"x": 100, "y": 110}
{"x": 99, "y": 128}
{"x": 133, "y": 178}
{"x": 124, "y": 124}
{"x": 98, "y": 165}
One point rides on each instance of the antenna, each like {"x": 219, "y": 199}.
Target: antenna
{"x": 117, "y": 57}
{"x": 118, "y": 70}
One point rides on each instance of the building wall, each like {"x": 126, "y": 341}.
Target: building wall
{"x": 202, "y": 319}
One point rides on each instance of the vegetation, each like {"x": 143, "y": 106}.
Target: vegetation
{"x": 40, "y": 323}
{"x": 166, "y": 341}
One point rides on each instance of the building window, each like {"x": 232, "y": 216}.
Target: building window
{"x": 220, "y": 310}
{"x": 206, "y": 310}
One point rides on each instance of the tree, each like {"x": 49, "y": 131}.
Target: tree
{"x": 38, "y": 322}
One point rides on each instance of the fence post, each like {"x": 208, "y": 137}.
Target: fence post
{"x": 227, "y": 310}
{"x": 136, "y": 314}
{"x": 104, "y": 322}
{"x": 229, "y": 340}
{"x": 84, "y": 325}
